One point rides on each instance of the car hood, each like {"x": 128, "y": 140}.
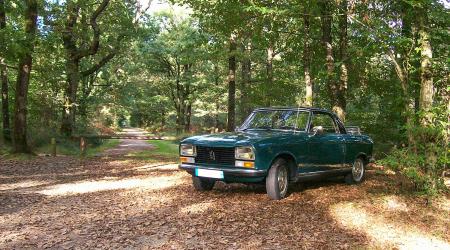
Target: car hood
{"x": 232, "y": 139}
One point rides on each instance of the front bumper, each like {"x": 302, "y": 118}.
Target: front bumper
{"x": 227, "y": 172}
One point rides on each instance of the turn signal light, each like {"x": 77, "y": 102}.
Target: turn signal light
{"x": 187, "y": 160}
{"x": 245, "y": 164}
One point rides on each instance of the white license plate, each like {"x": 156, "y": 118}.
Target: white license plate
{"x": 217, "y": 174}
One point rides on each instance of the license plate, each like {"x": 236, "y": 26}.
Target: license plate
{"x": 217, "y": 174}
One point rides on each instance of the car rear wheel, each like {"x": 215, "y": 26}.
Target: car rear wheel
{"x": 357, "y": 174}
{"x": 203, "y": 184}
{"x": 277, "y": 181}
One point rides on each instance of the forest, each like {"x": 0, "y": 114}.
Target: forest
{"x": 96, "y": 96}
{"x": 80, "y": 67}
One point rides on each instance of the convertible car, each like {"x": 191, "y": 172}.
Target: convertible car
{"x": 278, "y": 146}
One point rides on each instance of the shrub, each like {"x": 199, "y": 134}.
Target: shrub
{"x": 424, "y": 162}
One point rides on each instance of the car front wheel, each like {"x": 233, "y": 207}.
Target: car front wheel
{"x": 277, "y": 181}
{"x": 357, "y": 174}
{"x": 203, "y": 184}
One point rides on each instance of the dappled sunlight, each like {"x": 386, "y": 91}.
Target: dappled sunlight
{"x": 107, "y": 184}
{"x": 394, "y": 203}
{"x": 22, "y": 184}
{"x": 384, "y": 233}
{"x": 196, "y": 208}
{"x": 158, "y": 166}
{"x": 119, "y": 163}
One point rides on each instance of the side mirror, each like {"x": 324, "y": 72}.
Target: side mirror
{"x": 317, "y": 130}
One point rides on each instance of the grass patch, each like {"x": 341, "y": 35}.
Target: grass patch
{"x": 165, "y": 150}
{"x": 72, "y": 147}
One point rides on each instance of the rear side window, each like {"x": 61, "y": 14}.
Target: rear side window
{"x": 326, "y": 121}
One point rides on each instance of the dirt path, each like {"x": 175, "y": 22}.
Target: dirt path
{"x": 128, "y": 145}
{"x": 118, "y": 202}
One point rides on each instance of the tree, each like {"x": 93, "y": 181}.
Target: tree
{"x": 23, "y": 79}
{"x": 309, "y": 96}
{"x": 232, "y": 83}
{"x": 74, "y": 55}
{"x": 426, "y": 75}
{"x": 341, "y": 98}
{"x": 4, "y": 76}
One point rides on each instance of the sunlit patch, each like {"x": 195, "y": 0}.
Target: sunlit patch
{"x": 119, "y": 163}
{"x": 394, "y": 203}
{"x": 196, "y": 208}
{"x": 158, "y": 166}
{"x": 159, "y": 182}
{"x": 22, "y": 184}
{"x": 383, "y": 233}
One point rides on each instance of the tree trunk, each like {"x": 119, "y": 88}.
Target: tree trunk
{"x": 307, "y": 62}
{"x": 245, "y": 82}
{"x": 23, "y": 80}
{"x": 73, "y": 78}
{"x": 232, "y": 84}
{"x": 328, "y": 46}
{"x": 216, "y": 83}
{"x": 269, "y": 75}
{"x": 188, "y": 114}
{"x": 426, "y": 74}
{"x": 339, "y": 106}
{"x": 4, "y": 78}
{"x": 402, "y": 71}
{"x": 5, "y": 103}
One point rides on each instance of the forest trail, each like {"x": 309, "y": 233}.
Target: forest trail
{"x": 127, "y": 146}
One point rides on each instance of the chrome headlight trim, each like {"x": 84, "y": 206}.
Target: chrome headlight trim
{"x": 246, "y": 153}
{"x": 188, "y": 150}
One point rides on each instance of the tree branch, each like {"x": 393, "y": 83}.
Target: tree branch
{"x": 93, "y": 48}
{"x": 100, "y": 64}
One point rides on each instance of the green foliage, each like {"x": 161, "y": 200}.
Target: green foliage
{"x": 425, "y": 162}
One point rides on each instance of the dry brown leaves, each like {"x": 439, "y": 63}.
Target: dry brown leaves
{"x": 119, "y": 202}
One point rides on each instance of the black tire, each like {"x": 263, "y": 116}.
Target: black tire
{"x": 357, "y": 174}
{"x": 277, "y": 190}
{"x": 203, "y": 184}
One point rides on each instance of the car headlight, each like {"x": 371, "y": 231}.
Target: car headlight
{"x": 244, "y": 153}
{"x": 188, "y": 150}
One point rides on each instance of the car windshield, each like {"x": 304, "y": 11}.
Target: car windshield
{"x": 277, "y": 120}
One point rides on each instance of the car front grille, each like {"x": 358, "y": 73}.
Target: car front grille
{"x": 215, "y": 155}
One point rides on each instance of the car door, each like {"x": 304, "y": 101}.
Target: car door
{"x": 326, "y": 151}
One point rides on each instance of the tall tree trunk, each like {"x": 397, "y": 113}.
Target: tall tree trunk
{"x": 217, "y": 102}
{"x": 232, "y": 84}
{"x": 307, "y": 62}
{"x": 188, "y": 114}
{"x": 5, "y": 103}
{"x": 23, "y": 80}
{"x": 341, "y": 99}
{"x": 246, "y": 65}
{"x": 328, "y": 46}
{"x": 73, "y": 78}
{"x": 426, "y": 74}
{"x": 269, "y": 75}
{"x": 402, "y": 70}
{"x": 4, "y": 77}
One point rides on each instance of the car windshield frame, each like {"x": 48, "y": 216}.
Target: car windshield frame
{"x": 246, "y": 124}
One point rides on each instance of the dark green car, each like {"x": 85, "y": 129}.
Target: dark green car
{"x": 278, "y": 146}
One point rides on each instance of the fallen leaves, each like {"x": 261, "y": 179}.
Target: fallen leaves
{"x": 127, "y": 203}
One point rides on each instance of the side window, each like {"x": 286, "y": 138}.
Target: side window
{"x": 326, "y": 121}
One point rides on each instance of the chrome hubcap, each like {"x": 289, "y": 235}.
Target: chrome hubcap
{"x": 358, "y": 170}
{"x": 282, "y": 180}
